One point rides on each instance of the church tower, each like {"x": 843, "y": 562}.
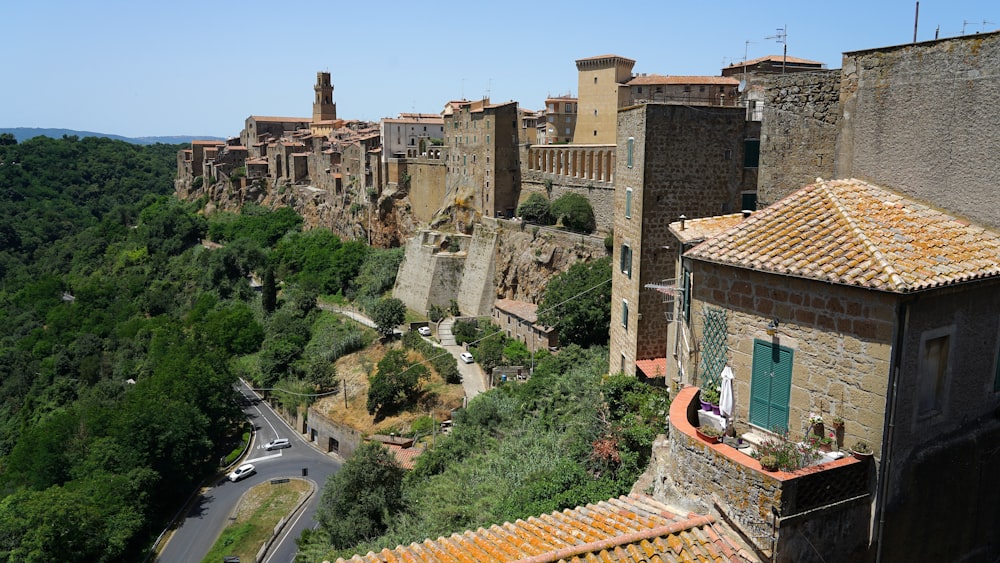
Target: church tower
{"x": 323, "y": 107}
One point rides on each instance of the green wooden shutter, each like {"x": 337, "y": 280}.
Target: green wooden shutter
{"x": 770, "y": 386}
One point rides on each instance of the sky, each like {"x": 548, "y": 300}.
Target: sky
{"x": 183, "y": 67}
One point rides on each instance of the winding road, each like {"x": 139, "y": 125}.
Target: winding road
{"x": 211, "y": 510}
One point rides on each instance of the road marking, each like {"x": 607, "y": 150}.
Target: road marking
{"x": 272, "y": 456}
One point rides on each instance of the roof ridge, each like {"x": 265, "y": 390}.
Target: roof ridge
{"x": 877, "y": 255}
{"x": 618, "y": 541}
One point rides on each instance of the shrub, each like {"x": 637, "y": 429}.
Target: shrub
{"x": 575, "y": 213}
{"x": 536, "y": 209}
{"x": 788, "y": 455}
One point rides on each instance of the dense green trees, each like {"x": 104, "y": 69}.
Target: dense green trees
{"x": 574, "y": 212}
{"x": 578, "y": 303}
{"x": 536, "y": 209}
{"x": 388, "y": 313}
{"x": 568, "y": 436}
{"x": 394, "y": 383}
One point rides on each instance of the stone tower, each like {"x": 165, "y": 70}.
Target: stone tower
{"x": 601, "y": 93}
{"x": 324, "y": 109}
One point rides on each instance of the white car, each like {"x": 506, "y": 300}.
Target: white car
{"x": 424, "y": 331}
{"x": 277, "y": 444}
{"x": 467, "y": 357}
{"x": 245, "y": 470}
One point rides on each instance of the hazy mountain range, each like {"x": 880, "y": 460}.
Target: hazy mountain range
{"x": 24, "y": 133}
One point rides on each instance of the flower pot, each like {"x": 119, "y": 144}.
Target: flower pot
{"x": 706, "y": 406}
{"x": 818, "y": 428}
{"x": 716, "y": 410}
{"x": 826, "y": 447}
{"x": 862, "y": 455}
{"x": 707, "y": 438}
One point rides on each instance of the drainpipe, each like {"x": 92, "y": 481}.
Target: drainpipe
{"x": 889, "y": 428}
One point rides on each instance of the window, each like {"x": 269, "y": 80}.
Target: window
{"x": 628, "y": 203}
{"x": 487, "y": 138}
{"x": 630, "y": 148}
{"x": 625, "y": 314}
{"x": 552, "y": 119}
{"x": 626, "y": 260}
{"x": 595, "y": 80}
{"x": 701, "y": 89}
{"x": 638, "y": 90}
{"x": 567, "y": 130}
{"x": 751, "y": 153}
{"x": 595, "y": 113}
{"x": 595, "y": 132}
{"x": 659, "y": 89}
{"x": 932, "y": 371}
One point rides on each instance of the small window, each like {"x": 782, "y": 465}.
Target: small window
{"x": 639, "y": 90}
{"x": 595, "y": 113}
{"x": 567, "y": 130}
{"x": 552, "y": 119}
{"x": 932, "y": 372}
{"x": 595, "y": 80}
{"x": 595, "y": 132}
{"x": 626, "y": 260}
{"x": 628, "y": 203}
{"x": 625, "y": 314}
{"x": 751, "y": 153}
{"x": 630, "y": 144}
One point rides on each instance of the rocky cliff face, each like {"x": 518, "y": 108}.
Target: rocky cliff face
{"x": 384, "y": 222}
{"x": 526, "y": 256}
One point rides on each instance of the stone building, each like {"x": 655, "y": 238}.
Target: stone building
{"x": 259, "y": 129}
{"x": 672, "y": 160}
{"x": 410, "y": 135}
{"x": 560, "y": 119}
{"x": 601, "y": 91}
{"x": 848, "y": 300}
{"x": 483, "y": 169}
{"x": 519, "y": 320}
{"x": 709, "y": 90}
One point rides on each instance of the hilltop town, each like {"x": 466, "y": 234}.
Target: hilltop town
{"x": 818, "y": 249}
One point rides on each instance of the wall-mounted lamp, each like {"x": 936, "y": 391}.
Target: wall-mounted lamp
{"x": 772, "y": 327}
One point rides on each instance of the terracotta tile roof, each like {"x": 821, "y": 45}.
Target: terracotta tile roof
{"x": 625, "y": 530}
{"x": 271, "y": 118}
{"x": 656, "y": 367}
{"x": 697, "y": 230}
{"x": 776, "y": 59}
{"x": 854, "y": 233}
{"x": 599, "y": 57}
{"x": 642, "y": 80}
{"x": 520, "y": 309}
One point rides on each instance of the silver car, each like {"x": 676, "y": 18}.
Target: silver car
{"x": 245, "y": 470}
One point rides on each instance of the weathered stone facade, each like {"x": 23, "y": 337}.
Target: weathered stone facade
{"x": 671, "y": 160}
{"x": 922, "y": 119}
{"x": 798, "y": 137}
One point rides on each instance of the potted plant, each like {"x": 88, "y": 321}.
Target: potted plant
{"x": 710, "y": 395}
{"x": 862, "y": 450}
{"x": 769, "y": 463}
{"x": 816, "y": 424}
{"x": 710, "y": 434}
{"x": 838, "y": 429}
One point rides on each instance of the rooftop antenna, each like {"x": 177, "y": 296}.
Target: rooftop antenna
{"x": 746, "y": 48}
{"x": 916, "y": 18}
{"x": 782, "y": 37}
{"x": 965, "y": 23}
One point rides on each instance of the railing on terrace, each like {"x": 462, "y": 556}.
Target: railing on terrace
{"x": 585, "y": 162}
{"x": 761, "y": 502}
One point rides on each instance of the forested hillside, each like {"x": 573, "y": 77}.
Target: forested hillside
{"x": 123, "y": 338}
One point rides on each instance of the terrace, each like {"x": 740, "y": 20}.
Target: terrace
{"x": 827, "y": 504}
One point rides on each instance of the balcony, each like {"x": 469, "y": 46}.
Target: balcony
{"x": 827, "y": 504}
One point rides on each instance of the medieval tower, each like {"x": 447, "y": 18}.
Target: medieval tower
{"x": 324, "y": 109}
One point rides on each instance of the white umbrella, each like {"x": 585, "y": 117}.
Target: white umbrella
{"x": 726, "y": 394}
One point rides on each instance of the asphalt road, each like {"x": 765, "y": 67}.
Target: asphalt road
{"x": 210, "y": 511}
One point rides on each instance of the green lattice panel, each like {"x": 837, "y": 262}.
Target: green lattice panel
{"x": 714, "y": 352}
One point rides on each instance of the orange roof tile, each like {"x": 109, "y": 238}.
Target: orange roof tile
{"x": 661, "y": 79}
{"x": 697, "y": 230}
{"x": 855, "y": 233}
{"x": 776, "y": 59}
{"x": 520, "y": 309}
{"x": 627, "y": 529}
{"x": 656, "y": 367}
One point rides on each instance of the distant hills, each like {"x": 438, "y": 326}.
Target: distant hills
{"x": 24, "y": 133}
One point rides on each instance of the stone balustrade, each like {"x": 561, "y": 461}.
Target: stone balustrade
{"x": 585, "y": 162}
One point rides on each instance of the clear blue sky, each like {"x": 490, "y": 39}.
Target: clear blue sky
{"x": 181, "y": 67}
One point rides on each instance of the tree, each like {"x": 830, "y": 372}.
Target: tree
{"x": 575, "y": 213}
{"x": 536, "y": 209}
{"x": 269, "y": 291}
{"x": 7, "y": 139}
{"x": 359, "y": 500}
{"x": 396, "y": 381}
{"x": 578, "y": 303}
{"x": 388, "y": 313}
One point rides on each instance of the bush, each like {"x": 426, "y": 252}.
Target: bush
{"x": 575, "y": 213}
{"x": 536, "y": 209}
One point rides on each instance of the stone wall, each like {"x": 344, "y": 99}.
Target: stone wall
{"x": 685, "y": 160}
{"x": 330, "y": 435}
{"x": 426, "y": 189}
{"x": 431, "y": 273}
{"x": 840, "y": 339}
{"x": 798, "y": 132}
{"x": 601, "y": 195}
{"x": 821, "y": 509}
{"x": 476, "y": 293}
{"x": 922, "y": 119}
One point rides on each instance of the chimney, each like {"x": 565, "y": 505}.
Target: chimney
{"x": 683, "y": 218}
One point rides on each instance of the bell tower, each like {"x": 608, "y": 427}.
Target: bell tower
{"x": 323, "y": 107}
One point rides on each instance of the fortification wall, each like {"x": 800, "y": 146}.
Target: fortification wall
{"x": 798, "y": 136}
{"x": 601, "y": 195}
{"x": 922, "y": 118}
{"x": 475, "y": 293}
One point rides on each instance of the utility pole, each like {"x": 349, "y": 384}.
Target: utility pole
{"x": 916, "y": 18}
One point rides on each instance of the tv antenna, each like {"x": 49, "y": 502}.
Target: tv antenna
{"x": 782, "y": 37}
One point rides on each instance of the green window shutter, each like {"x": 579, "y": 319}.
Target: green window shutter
{"x": 770, "y": 386}
{"x": 631, "y": 145}
{"x": 628, "y": 203}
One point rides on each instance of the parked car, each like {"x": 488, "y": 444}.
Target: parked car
{"x": 467, "y": 357}
{"x": 277, "y": 444}
{"x": 424, "y": 331}
{"x": 245, "y": 470}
